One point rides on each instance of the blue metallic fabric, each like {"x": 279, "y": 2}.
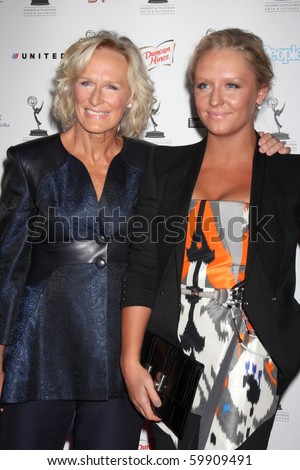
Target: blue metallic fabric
{"x": 62, "y": 332}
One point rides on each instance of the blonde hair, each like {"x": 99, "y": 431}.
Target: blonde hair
{"x": 250, "y": 45}
{"x": 74, "y": 62}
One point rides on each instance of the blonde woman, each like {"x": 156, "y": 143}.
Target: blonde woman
{"x": 217, "y": 279}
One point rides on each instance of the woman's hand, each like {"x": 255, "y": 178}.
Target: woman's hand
{"x": 270, "y": 145}
{"x": 137, "y": 379}
{"x": 141, "y": 390}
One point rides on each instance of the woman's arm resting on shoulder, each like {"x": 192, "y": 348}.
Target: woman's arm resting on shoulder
{"x": 270, "y": 145}
{"x": 138, "y": 381}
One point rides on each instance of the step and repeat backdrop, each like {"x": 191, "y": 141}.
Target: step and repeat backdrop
{"x": 35, "y": 33}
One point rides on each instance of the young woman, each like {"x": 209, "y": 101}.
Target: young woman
{"x": 214, "y": 271}
{"x": 63, "y": 252}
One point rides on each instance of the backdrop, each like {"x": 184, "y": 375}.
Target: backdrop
{"x": 34, "y": 34}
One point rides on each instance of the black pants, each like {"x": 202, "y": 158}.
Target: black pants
{"x": 44, "y": 425}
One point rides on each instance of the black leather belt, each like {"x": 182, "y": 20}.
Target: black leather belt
{"x": 47, "y": 257}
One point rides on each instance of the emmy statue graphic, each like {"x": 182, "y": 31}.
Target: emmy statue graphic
{"x": 154, "y": 134}
{"x": 39, "y": 2}
{"x": 32, "y": 101}
{"x": 273, "y": 103}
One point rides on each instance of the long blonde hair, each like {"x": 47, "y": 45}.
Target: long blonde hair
{"x": 74, "y": 62}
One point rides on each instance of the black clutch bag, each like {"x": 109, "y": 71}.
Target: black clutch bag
{"x": 175, "y": 376}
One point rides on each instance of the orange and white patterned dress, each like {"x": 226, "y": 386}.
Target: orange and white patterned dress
{"x": 237, "y": 390}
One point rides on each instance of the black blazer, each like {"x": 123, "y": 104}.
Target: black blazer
{"x": 156, "y": 254}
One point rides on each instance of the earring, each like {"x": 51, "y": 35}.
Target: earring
{"x": 258, "y": 106}
{"x": 129, "y": 105}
